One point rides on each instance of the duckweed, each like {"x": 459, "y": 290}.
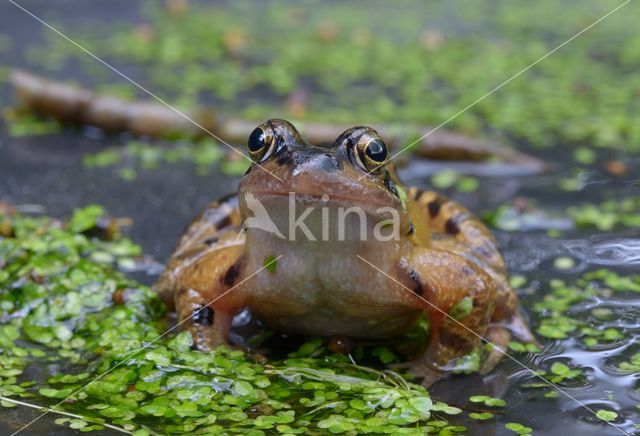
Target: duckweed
{"x": 606, "y": 415}
{"x": 399, "y": 64}
{"x": 62, "y": 304}
{"x": 561, "y": 372}
{"x": 462, "y": 309}
{"x": 29, "y": 125}
{"x": 633, "y": 366}
{"x": 452, "y": 179}
{"x": 562, "y": 298}
{"x": 571, "y": 312}
{"x": 607, "y": 215}
{"x": 145, "y": 156}
{"x": 481, "y": 416}
{"x": 604, "y": 216}
{"x": 270, "y": 263}
{"x": 488, "y": 401}
{"x": 518, "y": 428}
{"x": 63, "y": 301}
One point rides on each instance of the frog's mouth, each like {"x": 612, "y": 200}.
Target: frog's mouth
{"x": 333, "y": 205}
{"x": 332, "y": 200}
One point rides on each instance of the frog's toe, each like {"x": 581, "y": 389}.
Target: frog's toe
{"x": 499, "y": 337}
{"x": 257, "y": 357}
{"x": 426, "y": 374}
{"x": 520, "y": 329}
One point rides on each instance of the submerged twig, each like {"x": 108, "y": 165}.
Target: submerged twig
{"x": 73, "y": 104}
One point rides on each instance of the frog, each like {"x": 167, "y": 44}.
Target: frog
{"x": 343, "y": 278}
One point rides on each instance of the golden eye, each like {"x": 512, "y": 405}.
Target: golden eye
{"x": 261, "y": 144}
{"x": 371, "y": 153}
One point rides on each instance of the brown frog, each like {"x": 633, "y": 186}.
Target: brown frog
{"x": 347, "y": 250}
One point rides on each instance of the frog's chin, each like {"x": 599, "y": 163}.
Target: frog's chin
{"x": 315, "y": 217}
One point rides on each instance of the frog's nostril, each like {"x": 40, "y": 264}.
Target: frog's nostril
{"x": 327, "y": 163}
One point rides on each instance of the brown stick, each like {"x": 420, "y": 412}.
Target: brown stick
{"x": 73, "y": 104}
{"x": 68, "y": 103}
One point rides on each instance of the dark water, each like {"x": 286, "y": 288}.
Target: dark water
{"x": 47, "y": 171}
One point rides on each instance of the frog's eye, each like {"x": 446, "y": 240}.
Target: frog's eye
{"x": 261, "y": 144}
{"x": 371, "y": 153}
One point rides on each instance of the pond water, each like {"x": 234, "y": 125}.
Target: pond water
{"x": 46, "y": 173}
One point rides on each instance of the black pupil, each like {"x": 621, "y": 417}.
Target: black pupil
{"x": 256, "y": 140}
{"x": 376, "y": 150}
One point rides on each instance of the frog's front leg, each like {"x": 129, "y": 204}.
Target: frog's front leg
{"x": 459, "y": 299}
{"x": 205, "y": 297}
{"x": 203, "y": 268}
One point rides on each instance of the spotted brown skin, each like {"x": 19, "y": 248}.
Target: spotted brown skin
{"x": 441, "y": 256}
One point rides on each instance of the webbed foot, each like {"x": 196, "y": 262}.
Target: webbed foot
{"x": 424, "y": 372}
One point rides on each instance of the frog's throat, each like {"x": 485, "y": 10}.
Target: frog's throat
{"x": 307, "y": 217}
{"x": 336, "y": 213}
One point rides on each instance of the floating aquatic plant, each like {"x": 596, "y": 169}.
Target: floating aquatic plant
{"x": 63, "y": 301}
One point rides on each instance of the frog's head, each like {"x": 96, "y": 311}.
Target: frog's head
{"x": 349, "y": 174}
